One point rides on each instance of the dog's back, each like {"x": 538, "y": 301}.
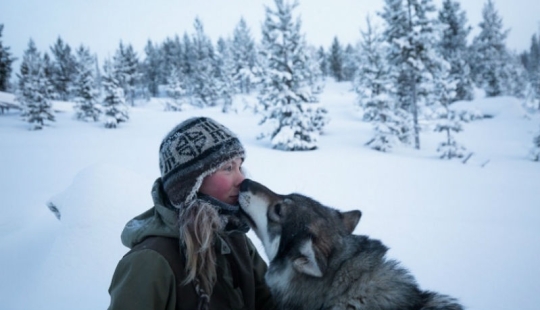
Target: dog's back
{"x": 317, "y": 263}
{"x": 371, "y": 281}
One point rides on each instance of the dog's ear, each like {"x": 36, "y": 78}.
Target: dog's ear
{"x": 351, "y": 219}
{"x": 307, "y": 263}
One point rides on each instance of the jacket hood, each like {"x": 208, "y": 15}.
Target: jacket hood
{"x": 157, "y": 221}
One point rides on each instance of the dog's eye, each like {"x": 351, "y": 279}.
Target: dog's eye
{"x": 277, "y": 209}
{"x": 275, "y": 213}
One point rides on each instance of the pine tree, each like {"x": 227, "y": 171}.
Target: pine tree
{"x": 296, "y": 121}
{"x": 373, "y": 87}
{"x": 225, "y": 71}
{"x": 516, "y": 79}
{"x": 126, "y": 68}
{"x": 535, "y": 151}
{"x": 335, "y": 60}
{"x": 244, "y": 56}
{"x": 48, "y": 69}
{"x": 531, "y": 61}
{"x": 85, "y": 89}
{"x": 315, "y": 79}
{"x": 171, "y": 56}
{"x": 448, "y": 120}
{"x": 64, "y": 69}
{"x": 35, "y": 90}
{"x": 350, "y": 62}
{"x": 114, "y": 101}
{"x": 5, "y": 63}
{"x": 489, "y": 67}
{"x": 176, "y": 91}
{"x": 534, "y": 55}
{"x": 151, "y": 68}
{"x": 188, "y": 60}
{"x": 412, "y": 36}
{"x": 323, "y": 61}
{"x": 204, "y": 76}
{"x": 453, "y": 47}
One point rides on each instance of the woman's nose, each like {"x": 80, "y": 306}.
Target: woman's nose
{"x": 239, "y": 177}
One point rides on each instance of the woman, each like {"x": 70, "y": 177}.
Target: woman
{"x": 190, "y": 250}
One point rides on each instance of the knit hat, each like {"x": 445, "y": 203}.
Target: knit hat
{"x": 195, "y": 148}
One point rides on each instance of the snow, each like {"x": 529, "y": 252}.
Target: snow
{"x": 467, "y": 230}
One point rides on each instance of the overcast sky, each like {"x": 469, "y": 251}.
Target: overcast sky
{"x": 101, "y": 24}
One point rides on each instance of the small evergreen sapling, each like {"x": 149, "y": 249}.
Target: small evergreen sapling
{"x": 35, "y": 90}
{"x": 448, "y": 122}
{"x": 35, "y": 101}
{"x": 176, "y": 91}
{"x": 86, "y": 93}
{"x": 114, "y": 103}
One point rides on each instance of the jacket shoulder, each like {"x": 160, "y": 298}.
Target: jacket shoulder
{"x": 167, "y": 247}
{"x": 136, "y": 280}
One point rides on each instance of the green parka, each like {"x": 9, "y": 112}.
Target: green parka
{"x": 149, "y": 276}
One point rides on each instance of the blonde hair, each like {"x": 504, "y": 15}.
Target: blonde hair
{"x": 198, "y": 223}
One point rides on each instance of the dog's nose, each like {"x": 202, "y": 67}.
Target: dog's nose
{"x": 244, "y": 186}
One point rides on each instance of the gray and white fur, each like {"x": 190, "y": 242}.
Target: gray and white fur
{"x": 317, "y": 263}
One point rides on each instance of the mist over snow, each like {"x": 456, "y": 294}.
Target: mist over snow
{"x": 468, "y": 230}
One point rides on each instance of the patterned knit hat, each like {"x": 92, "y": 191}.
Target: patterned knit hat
{"x": 195, "y": 148}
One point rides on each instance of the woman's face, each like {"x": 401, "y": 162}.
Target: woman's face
{"x": 224, "y": 183}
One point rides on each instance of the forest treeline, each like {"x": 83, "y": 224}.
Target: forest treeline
{"x": 410, "y": 69}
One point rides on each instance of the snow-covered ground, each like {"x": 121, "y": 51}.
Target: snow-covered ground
{"x": 468, "y": 230}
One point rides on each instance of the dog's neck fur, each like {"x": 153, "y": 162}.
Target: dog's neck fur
{"x": 284, "y": 281}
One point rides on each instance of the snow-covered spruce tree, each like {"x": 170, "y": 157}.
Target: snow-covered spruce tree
{"x": 516, "y": 77}
{"x": 350, "y": 63}
{"x": 531, "y": 58}
{"x": 5, "y": 63}
{"x": 176, "y": 91}
{"x": 48, "y": 67}
{"x": 63, "y": 70}
{"x": 188, "y": 60}
{"x": 489, "y": 54}
{"x": 289, "y": 106}
{"x": 204, "y": 82}
{"x": 171, "y": 55}
{"x": 35, "y": 90}
{"x": 335, "y": 60}
{"x": 535, "y": 151}
{"x": 225, "y": 70}
{"x": 412, "y": 35}
{"x": 448, "y": 121}
{"x": 114, "y": 101}
{"x": 126, "y": 69}
{"x": 453, "y": 47}
{"x": 323, "y": 62}
{"x": 151, "y": 68}
{"x": 373, "y": 86}
{"x": 316, "y": 77}
{"x": 85, "y": 89}
{"x": 244, "y": 56}
{"x": 531, "y": 61}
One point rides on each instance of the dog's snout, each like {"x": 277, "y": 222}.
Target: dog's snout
{"x": 244, "y": 186}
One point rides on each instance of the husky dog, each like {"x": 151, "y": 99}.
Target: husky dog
{"x": 317, "y": 263}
